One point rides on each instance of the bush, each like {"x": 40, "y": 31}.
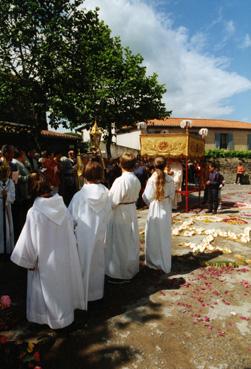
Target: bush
{"x": 221, "y": 153}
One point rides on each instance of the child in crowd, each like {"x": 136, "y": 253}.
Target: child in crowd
{"x": 159, "y": 194}
{"x": 90, "y": 209}
{"x": 240, "y": 171}
{"x": 47, "y": 248}
{"x": 122, "y": 250}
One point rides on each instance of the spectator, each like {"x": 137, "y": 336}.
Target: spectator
{"x": 142, "y": 175}
{"x": 113, "y": 171}
{"x": 32, "y": 161}
{"x": 213, "y": 184}
{"x": 23, "y": 201}
{"x": 240, "y": 170}
{"x": 68, "y": 179}
{"x": 8, "y": 154}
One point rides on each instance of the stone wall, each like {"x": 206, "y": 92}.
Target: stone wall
{"x": 228, "y": 168}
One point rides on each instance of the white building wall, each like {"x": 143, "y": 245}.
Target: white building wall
{"x": 121, "y": 142}
{"x": 86, "y": 135}
{"x": 130, "y": 140}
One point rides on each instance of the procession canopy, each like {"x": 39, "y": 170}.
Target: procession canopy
{"x": 172, "y": 145}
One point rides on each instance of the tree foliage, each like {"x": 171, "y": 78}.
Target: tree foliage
{"x": 59, "y": 59}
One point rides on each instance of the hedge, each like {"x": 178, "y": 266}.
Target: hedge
{"x": 221, "y": 153}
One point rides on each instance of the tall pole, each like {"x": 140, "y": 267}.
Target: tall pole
{"x": 187, "y": 194}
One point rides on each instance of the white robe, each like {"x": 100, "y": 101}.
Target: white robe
{"x": 10, "y": 187}
{"x": 158, "y": 225}
{"x": 90, "y": 209}
{"x": 177, "y": 169}
{"x": 122, "y": 251}
{"x": 48, "y": 244}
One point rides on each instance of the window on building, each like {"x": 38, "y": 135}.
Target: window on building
{"x": 224, "y": 141}
{"x": 249, "y": 142}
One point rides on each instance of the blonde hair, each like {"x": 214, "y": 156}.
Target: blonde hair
{"x": 127, "y": 161}
{"x": 159, "y": 165}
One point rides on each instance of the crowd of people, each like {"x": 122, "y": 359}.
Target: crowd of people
{"x": 70, "y": 238}
{"x": 17, "y": 168}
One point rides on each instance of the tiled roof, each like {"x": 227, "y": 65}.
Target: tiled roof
{"x": 201, "y": 123}
{"x": 14, "y": 128}
{"x": 60, "y": 135}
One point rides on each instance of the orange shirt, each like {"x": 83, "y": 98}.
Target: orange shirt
{"x": 240, "y": 169}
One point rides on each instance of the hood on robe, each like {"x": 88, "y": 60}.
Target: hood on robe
{"x": 96, "y": 196}
{"x": 53, "y": 208}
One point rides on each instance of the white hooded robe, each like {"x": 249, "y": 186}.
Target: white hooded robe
{"x": 10, "y": 188}
{"x": 47, "y": 243}
{"x": 158, "y": 225}
{"x": 122, "y": 251}
{"x": 90, "y": 209}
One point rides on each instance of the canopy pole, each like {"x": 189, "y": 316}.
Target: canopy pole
{"x": 187, "y": 194}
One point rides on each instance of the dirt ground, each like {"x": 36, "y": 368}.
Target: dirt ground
{"x": 198, "y": 317}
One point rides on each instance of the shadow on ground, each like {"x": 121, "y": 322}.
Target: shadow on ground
{"x": 85, "y": 344}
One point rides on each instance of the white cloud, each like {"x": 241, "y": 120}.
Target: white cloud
{"x": 246, "y": 42}
{"x": 230, "y": 28}
{"x": 198, "y": 84}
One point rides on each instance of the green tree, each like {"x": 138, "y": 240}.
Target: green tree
{"x": 125, "y": 94}
{"x": 59, "y": 59}
{"x": 39, "y": 44}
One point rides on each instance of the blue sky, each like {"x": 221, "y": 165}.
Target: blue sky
{"x": 201, "y": 50}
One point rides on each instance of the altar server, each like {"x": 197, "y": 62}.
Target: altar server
{"x": 7, "y": 197}
{"x": 47, "y": 248}
{"x": 90, "y": 209}
{"x": 159, "y": 194}
{"x": 122, "y": 252}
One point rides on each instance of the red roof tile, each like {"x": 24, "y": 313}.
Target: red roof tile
{"x": 201, "y": 123}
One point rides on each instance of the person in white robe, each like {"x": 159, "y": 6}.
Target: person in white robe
{"x": 176, "y": 170}
{"x": 90, "y": 209}
{"x": 159, "y": 218}
{"x": 7, "y": 194}
{"x": 122, "y": 251}
{"x": 47, "y": 248}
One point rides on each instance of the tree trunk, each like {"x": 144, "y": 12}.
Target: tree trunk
{"x": 109, "y": 141}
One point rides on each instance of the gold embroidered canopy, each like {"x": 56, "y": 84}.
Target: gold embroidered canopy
{"x": 172, "y": 145}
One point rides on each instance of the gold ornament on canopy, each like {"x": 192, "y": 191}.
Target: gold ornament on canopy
{"x": 95, "y": 137}
{"x": 172, "y": 145}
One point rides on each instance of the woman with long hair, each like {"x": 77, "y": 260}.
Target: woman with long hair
{"x": 159, "y": 194}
